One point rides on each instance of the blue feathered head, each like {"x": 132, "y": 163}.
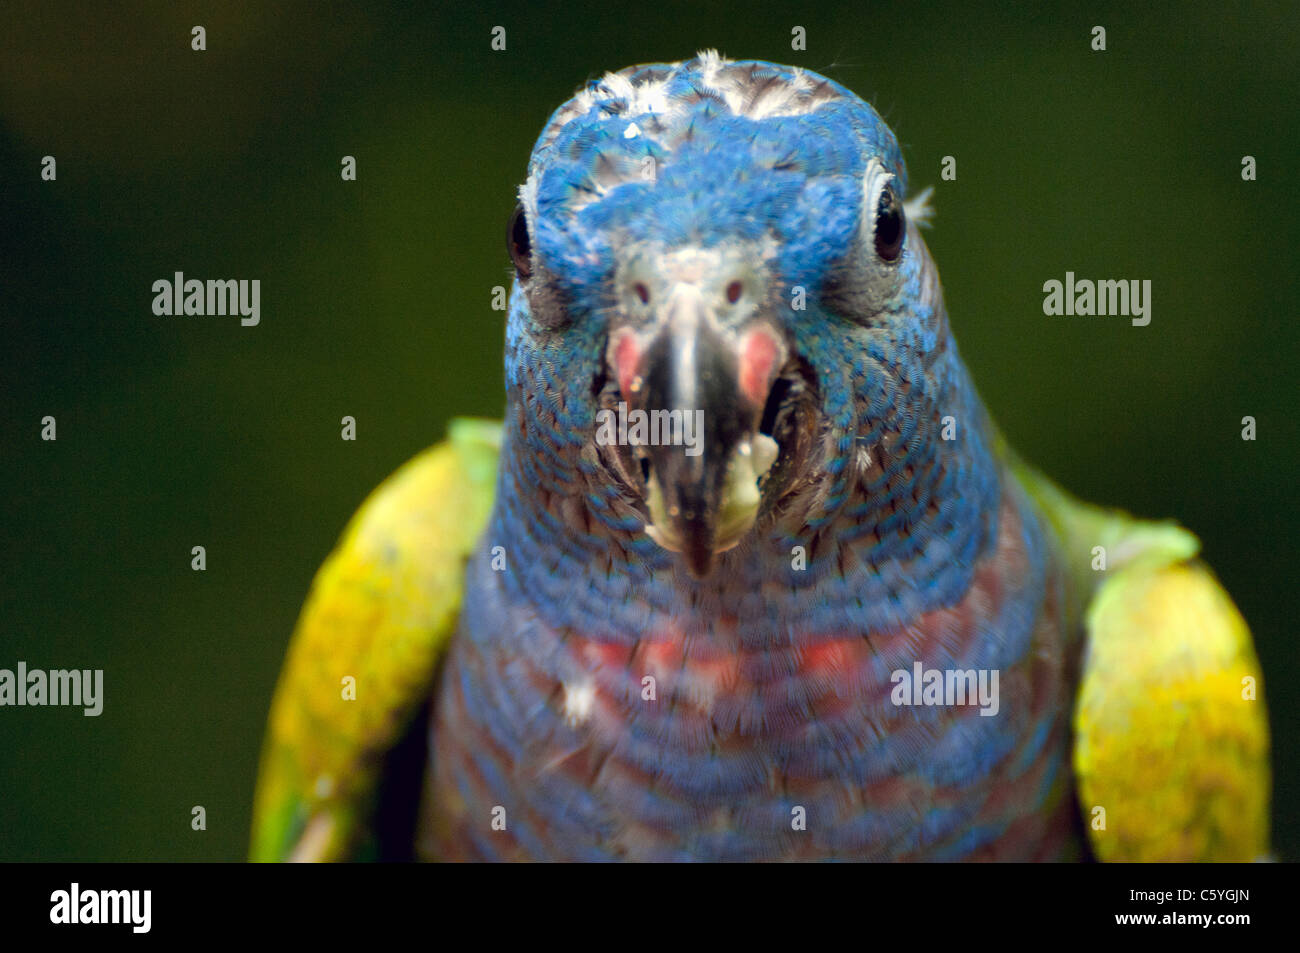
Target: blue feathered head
{"x": 720, "y": 297}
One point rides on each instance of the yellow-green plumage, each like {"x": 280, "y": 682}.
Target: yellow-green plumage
{"x": 380, "y": 611}
{"x": 1171, "y": 737}
{"x": 1170, "y": 727}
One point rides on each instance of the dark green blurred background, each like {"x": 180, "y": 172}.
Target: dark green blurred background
{"x": 176, "y": 432}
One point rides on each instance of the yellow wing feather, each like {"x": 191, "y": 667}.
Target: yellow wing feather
{"x": 1171, "y": 735}
{"x": 363, "y": 653}
{"x": 1171, "y": 751}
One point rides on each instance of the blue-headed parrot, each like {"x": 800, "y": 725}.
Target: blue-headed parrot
{"x": 747, "y": 572}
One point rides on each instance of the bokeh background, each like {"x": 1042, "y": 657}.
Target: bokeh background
{"x": 175, "y": 432}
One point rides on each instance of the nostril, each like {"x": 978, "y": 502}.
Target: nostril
{"x": 734, "y": 291}
{"x": 642, "y": 292}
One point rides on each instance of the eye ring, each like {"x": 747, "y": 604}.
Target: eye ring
{"x": 519, "y": 243}
{"x": 890, "y": 227}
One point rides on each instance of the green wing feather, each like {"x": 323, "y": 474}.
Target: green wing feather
{"x": 380, "y": 612}
{"x": 1171, "y": 739}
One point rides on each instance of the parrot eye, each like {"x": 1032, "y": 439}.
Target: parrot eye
{"x": 869, "y": 274}
{"x": 889, "y": 228}
{"x": 519, "y": 243}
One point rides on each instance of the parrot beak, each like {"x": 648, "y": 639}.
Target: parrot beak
{"x": 702, "y": 491}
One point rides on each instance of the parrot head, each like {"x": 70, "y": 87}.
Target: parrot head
{"x": 718, "y": 295}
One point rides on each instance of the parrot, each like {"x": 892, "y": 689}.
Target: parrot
{"x": 747, "y": 571}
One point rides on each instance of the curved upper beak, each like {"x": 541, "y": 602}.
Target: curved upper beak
{"x": 701, "y": 398}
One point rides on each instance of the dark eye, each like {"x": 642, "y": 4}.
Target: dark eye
{"x": 519, "y": 244}
{"x": 889, "y": 225}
